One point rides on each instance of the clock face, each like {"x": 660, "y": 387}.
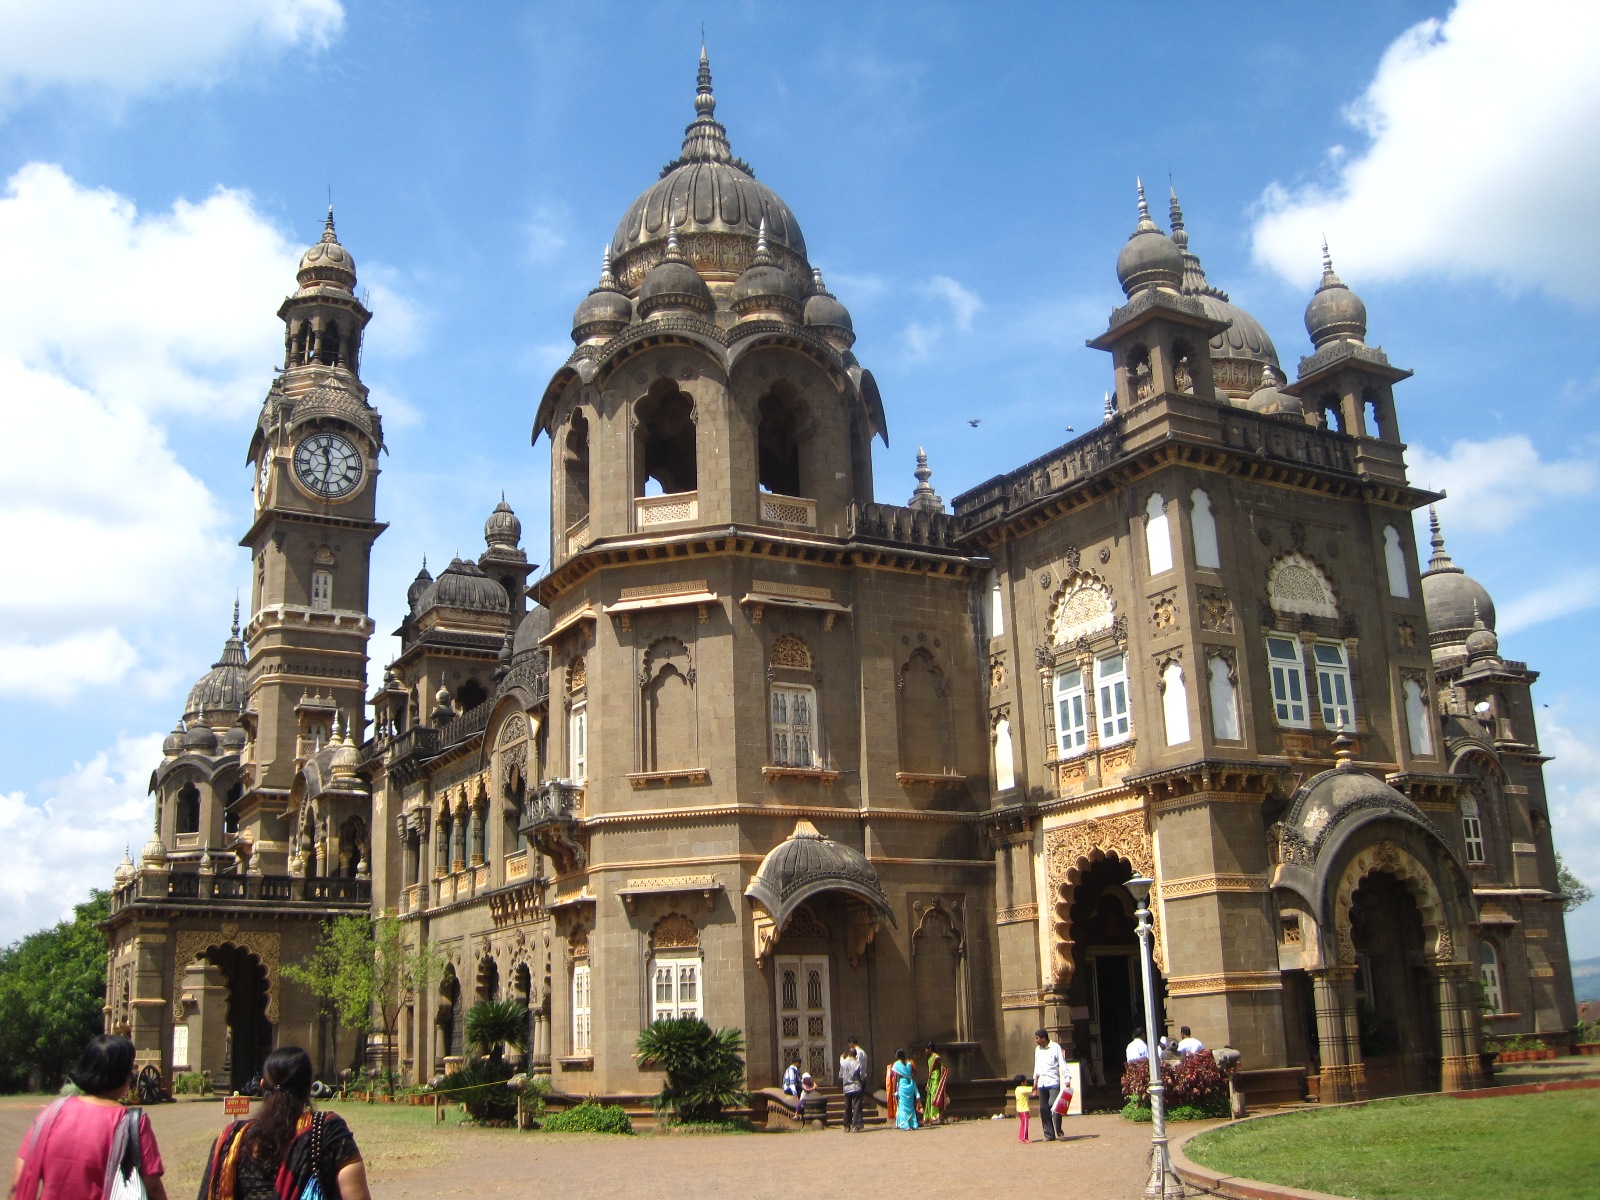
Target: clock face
{"x": 328, "y": 465}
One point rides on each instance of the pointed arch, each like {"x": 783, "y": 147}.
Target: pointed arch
{"x": 1296, "y": 583}
{"x": 1081, "y": 608}
{"x": 922, "y": 699}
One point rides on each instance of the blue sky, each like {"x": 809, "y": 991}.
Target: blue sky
{"x": 964, "y": 179}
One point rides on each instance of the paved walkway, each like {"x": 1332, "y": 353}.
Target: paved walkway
{"x": 1105, "y": 1158}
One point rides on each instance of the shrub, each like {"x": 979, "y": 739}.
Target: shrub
{"x": 726, "y": 1125}
{"x": 704, "y": 1066}
{"x": 481, "y": 1087}
{"x": 1194, "y": 1087}
{"x": 190, "y": 1083}
{"x": 589, "y": 1118}
{"x": 493, "y": 1025}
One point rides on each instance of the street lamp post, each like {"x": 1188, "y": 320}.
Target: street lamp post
{"x": 1164, "y": 1180}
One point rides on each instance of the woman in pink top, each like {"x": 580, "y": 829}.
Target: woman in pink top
{"x": 64, "y": 1155}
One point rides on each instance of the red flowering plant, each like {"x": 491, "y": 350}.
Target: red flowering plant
{"x": 1194, "y": 1087}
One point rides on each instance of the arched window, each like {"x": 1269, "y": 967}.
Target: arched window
{"x": 670, "y": 740}
{"x": 1141, "y": 382}
{"x": 1489, "y": 978}
{"x": 1419, "y": 720}
{"x": 1224, "y": 699}
{"x": 997, "y": 607}
{"x": 582, "y": 1010}
{"x": 664, "y": 458}
{"x": 1204, "y": 525}
{"x": 188, "y": 815}
{"x": 924, "y": 713}
{"x": 1329, "y": 413}
{"x": 470, "y": 694}
{"x": 575, "y": 471}
{"x": 1372, "y": 411}
{"x": 1472, "y": 829}
{"x": 1394, "y": 559}
{"x": 796, "y": 730}
{"x": 1005, "y": 770}
{"x": 577, "y": 721}
{"x": 1183, "y": 366}
{"x": 322, "y": 591}
{"x": 676, "y": 983}
{"x": 779, "y": 418}
{"x": 1174, "y": 705}
{"x": 1157, "y": 534}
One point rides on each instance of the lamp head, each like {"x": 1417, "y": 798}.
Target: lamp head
{"x": 1139, "y": 887}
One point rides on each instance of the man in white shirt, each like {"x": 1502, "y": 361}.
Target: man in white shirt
{"x": 1137, "y": 1051}
{"x": 1049, "y": 1069}
{"x": 1188, "y": 1044}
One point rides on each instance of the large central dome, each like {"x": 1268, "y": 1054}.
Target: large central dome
{"x": 716, "y": 204}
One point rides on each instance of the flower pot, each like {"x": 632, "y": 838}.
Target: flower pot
{"x": 1591, "y": 1048}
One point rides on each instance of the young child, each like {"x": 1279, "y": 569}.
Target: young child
{"x": 807, "y": 1086}
{"x": 1024, "y": 1093}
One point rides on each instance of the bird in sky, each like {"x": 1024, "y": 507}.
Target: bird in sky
{"x": 975, "y": 422}
{"x": 1070, "y": 429}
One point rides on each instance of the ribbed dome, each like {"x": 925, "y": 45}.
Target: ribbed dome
{"x": 808, "y": 863}
{"x": 155, "y": 852}
{"x": 201, "y": 738}
{"x": 1454, "y": 600}
{"x": 172, "y": 746}
{"x": 1149, "y": 258}
{"x": 673, "y": 283}
{"x": 235, "y": 738}
{"x": 764, "y": 286}
{"x": 606, "y": 310}
{"x": 327, "y": 261}
{"x": 1335, "y": 311}
{"x": 502, "y": 528}
{"x": 824, "y": 312}
{"x": 1270, "y": 400}
{"x": 330, "y": 399}
{"x": 533, "y": 627}
{"x": 1239, "y": 353}
{"x": 221, "y": 689}
{"x": 705, "y": 190}
{"x": 419, "y": 587}
{"x": 462, "y": 585}
{"x": 1327, "y": 799}
{"x": 124, "y": 871}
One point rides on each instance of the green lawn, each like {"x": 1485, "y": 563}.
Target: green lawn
{"x": 1422, "y": 1148}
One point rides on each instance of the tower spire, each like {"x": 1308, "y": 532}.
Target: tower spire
{"x": 924, "y": 498}
{"x": 705, "y": 140}
{"x": 1146, "y": 225}
{"x": 1440, "y": 559}
{"x": 1329, "y": 277}
{"x": 236, "y": 614}
{"x": 1195, "y": 282}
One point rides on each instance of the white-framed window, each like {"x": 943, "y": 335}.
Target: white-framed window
{"x": 180, "y": 1046}
{"x": 1333, "y": 685}
{"x": 1157, "y": 535}
{"x": 1394, "y": 561}
{"x": 794, "y": 725}
{"x": 1419, "y": 717}
{"x": 1489, "y": 977}
{"x": 675, "y": 988}
{"x": 1288, "y": 682}
{"x": 578, "y": 742}
{"x": 1203, "y": 524}
{"x": 1072, "y": 713}
{"x": 997, "y": 606}
{"x": 1224, "y": 700}
{"x": 1174, "y": 705}
{"x": 1111, "y": 688}
{"x": 322, "y": 591}
{"x": 1005, "y": 766}
{"x": 581, "y": 1011}
{"x": 1472, "y": 830}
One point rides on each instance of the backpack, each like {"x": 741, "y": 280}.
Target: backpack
{"x": 123, "y": 1180}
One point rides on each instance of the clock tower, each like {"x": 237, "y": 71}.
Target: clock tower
{"x": 315, "y": 457}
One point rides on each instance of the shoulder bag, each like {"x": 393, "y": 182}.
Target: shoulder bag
{"x": 123, "y": 1178}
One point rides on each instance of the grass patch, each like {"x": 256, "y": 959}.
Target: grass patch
{"x": 1535, "y": 1147}
{"x": 726, "y": 1125}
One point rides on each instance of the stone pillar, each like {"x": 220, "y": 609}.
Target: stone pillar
{"x": 207, "y": 1016}
{"x": 1344, "y": 1076}
{"x": 1459, "y": 1066}
{"x": 458, "y": 839}
{"x": 444, "y": 843}
{"x": 411, "y": 858}
{"x": 477, "y": 836}
{"x": 539, "y": 1062}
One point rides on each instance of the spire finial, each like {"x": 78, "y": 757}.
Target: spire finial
{"x": 1440, "y": 560}
{"x": 1330, "y": 278}
{"x": 236, "y": 614}
{"x": 672, "y": 238}
{"x": 763, "y": 251}
{"x": 924, "y": 498}
{"x": 1111, "y": 409}
{"x": 1144, "y": 207}
{"x": 327, "y": 226}
{"x": 1179, "y": 234}
{"x": 704, "y": 102}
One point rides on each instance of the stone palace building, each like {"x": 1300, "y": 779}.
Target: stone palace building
{"x": 760, "y": 748}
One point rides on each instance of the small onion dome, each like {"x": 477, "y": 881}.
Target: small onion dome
{"x": 764, "y": 287}
{"x": 1149, "y": 258}
{"x": 155, "y": 852}
{"x": 502, "y": 528}
{"x": 201, "y": 738}
{"x": 346, "y": 759}
{"x": 606, "y": 311}
{"x": 1455, "y": 602}
{"x": 1271, "y": 401}
{"x": 463, "y": 585}
{"x": 1335, "y": 311}
{"x": 173, "y": 746}
{"x": 235, "y": 739}
{"x": 328, "y": 261}
{"x": 673, "y": 284}
{"x": 221, "y": 689}
{"x": 443, "y": 710}
{"x": 124, "y": 872}
{"x": 1482, "y": 642}
{"x": 419, "y": 585}
{"x": 824, "y": 313}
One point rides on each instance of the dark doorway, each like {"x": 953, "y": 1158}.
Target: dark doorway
{"x": 1107, "y": 979}
{"x": 1395, "y": 1004}
{"x": 249, "y": 1031}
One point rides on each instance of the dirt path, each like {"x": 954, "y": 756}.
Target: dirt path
{"x": 1104, "y": 1158}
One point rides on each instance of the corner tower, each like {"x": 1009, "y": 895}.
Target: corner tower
{"x": 315, "y": 454}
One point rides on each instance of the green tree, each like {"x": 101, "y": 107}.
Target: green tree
{"x": 492, "y": 1025}
{"x": 339, "y": 973}
{"x": 52, "y": 989}
{"x": 704, "y": 1066}
{"x": 1574, "y": 891}
{"x": 401, "y": 972}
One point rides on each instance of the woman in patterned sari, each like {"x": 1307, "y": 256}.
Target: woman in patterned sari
{"x": 905, "y": 1094}
{"x": 938, "y": 1086}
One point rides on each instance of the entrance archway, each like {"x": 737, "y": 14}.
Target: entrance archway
{"x": 1106, "y": 981}
{"x": 249, "y": 1032}
{"x": 1396, "y": 1008}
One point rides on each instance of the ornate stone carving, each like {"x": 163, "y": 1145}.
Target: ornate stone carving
{"x": 674, "y": 932}
{"x": 192, "y": 943}
{"x": 997, "y": 672}
{"x": 577, "y": 675}
{"x": 1387, "y": 858}
{"x": 1082, "y": 608}
{"x": 790, "y": 651}
{"x": 1216, "y": 612}
{"x": 1406, "y": 635}
{"x": 1164, "y": 612}
{"x": 1072, "y": 557}
{"x": 1072, "y": 850}
{"x": 1296, "y": 584}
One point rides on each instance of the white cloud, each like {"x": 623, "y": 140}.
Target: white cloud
{"x": 1480, "y": 157}
{"x": 1494, "y": 485}
{"x": 96, "y": 351}
{"x": 964, "y": 303}
{"x": 921, "y": 336}
{"x": 1572, "y": 783}
{"x": 1570, "y": 594}
{"x": 73, "y": 836}
{"x": 125, "y": 48}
